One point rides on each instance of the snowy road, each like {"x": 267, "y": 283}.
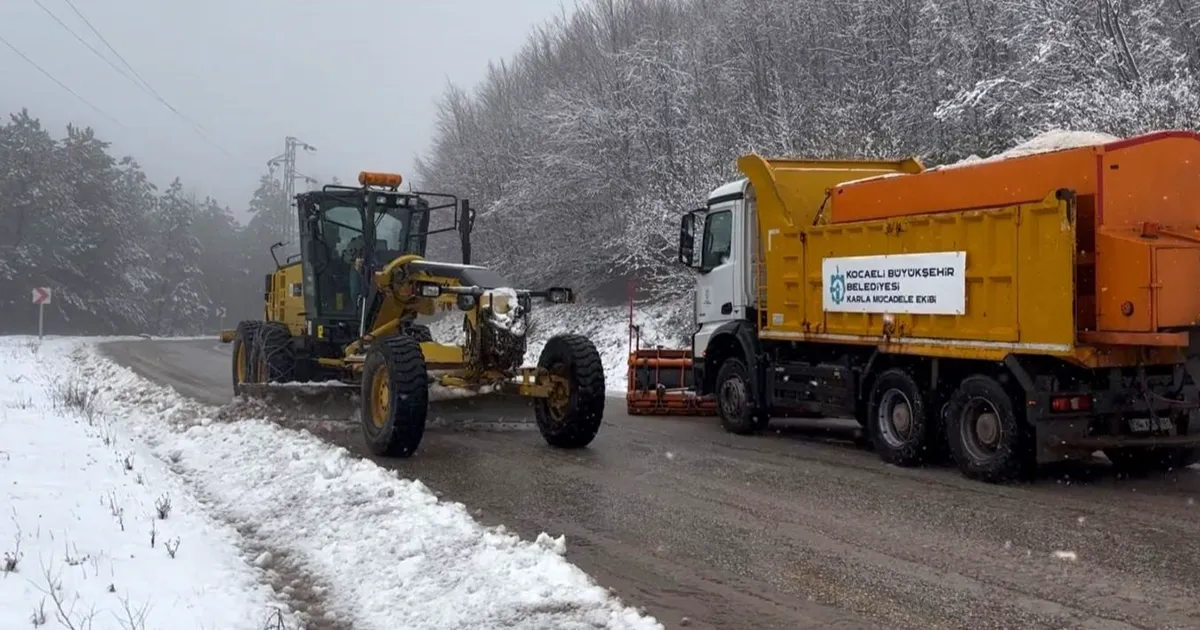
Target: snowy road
{"x": 800, "y": 530}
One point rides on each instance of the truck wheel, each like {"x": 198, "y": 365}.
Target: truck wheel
{"x": 896, "y": 418}
{"x": 243, "y": 354}
{"x": 275, "y": 356}
{"x": 571, "y": 416}
{"x": 395, "y": 396}
{"x": 987, "y": 438}
{"x": 1147, "y": 460}
{"x": 735, "y": 399}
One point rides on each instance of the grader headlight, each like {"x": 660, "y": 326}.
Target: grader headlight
{"x": 428, "y": 289}
{"x": 558, "y": 295}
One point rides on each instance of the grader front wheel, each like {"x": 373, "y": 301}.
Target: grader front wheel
{"x": 395, "y": 397}
{"x": 570, "y": 417}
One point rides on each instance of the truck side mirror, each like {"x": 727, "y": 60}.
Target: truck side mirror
{"x": 687, "y": 239}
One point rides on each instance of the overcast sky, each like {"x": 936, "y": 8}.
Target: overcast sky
{"x": 355, "y": 78}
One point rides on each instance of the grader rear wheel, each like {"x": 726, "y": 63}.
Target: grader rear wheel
{"x": 275, "y": 356}
{"x": 570, "y": 417}
{"x": 243, "y": 354}
{"x": 395, "y": 397}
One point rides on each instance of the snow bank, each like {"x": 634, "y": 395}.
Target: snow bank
{"x": 1048, "y": 142}
{"x": 380, "y": 551}
{"x": 607, "y": 326}
{"x": 95, "y": 527}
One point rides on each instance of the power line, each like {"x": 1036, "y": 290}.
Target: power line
{"x": 64, "y": 86}
{"x": 144, "y": 84}
{"x": 149, "y": 87}
{"x": 81, "y": 40}
{"x": 60, "y": 83}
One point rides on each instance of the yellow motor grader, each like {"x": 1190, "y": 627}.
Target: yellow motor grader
{"x": 344, "y": 311}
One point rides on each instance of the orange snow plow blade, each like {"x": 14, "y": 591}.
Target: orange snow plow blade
{"x": 659, "y": 384}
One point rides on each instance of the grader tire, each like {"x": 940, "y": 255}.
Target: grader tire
{"x": 276, "y": 358}
{"x": 243, "y": 354}
{"x": 395, "y": 397}
{"x": 571, "y": 418}
{"x": 420, "y": 332}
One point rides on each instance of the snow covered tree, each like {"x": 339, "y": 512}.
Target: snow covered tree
{"x": 584, "y": 147}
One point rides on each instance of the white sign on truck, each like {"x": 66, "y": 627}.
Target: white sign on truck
{"x": 933, "y": 283}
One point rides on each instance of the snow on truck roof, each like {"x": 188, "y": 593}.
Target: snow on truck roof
{"x": 1048, "y": 142}
{"x": 732, "y": 188}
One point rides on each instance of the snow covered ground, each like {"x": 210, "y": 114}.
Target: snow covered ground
{"x": 607, "y": 326}
{"x": 266, "y": 527}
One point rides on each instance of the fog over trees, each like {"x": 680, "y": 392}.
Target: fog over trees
{"x": 581, "y": 150}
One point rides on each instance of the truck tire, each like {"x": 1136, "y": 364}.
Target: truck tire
{"x": 275, "y": 356}
{"x": 395, "y": 396}
{"x": 243, "y": 362}
{"x": 735, "y": 399}
{"x": 1148, "y": 460}
{"x": 986, "y": 437}
{"x": 897, "y": 422}
{"x": 571, "y": 417}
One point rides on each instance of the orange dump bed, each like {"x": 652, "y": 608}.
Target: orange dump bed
{"x": 1138, "y": 241}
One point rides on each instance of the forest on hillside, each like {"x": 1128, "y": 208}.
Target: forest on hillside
{"x": 615, "y": 119}
{"x": 581, "y": 150}
{"x": 121, "y": 255}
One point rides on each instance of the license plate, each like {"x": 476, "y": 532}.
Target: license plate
{"x": 1145, "y": 425}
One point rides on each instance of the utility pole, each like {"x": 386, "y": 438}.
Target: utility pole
{"x": 290, "y": 228}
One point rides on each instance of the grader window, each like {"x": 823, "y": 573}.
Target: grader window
{"x": 338, "y": 279}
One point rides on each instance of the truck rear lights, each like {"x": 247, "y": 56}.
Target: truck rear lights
{"x": 1063, "y": 404}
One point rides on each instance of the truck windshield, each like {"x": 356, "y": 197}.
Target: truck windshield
{"x": 718, "y": 239}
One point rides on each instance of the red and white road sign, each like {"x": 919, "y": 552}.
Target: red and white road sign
{"x": 41, "y": 295}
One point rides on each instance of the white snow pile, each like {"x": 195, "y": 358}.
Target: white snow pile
{"x": 606, "y": 326}
{"x": 96, "y": 531}
{"x": 338, "y": 537}
{"x": 1048, "y": 142}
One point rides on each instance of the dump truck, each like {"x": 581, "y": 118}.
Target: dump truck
{"x": 1003, "y": 313}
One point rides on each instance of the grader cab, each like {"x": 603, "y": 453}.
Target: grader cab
{"x": 345, "y": 311}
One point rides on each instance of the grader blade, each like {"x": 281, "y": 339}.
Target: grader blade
{"x": 455, "y": 408}
{"x": 332, "y": 401}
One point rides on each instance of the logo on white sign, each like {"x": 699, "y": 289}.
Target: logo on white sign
{"x": 921, "y": 284}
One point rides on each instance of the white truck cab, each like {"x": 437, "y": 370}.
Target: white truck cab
{"x": 725, "y": 287}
